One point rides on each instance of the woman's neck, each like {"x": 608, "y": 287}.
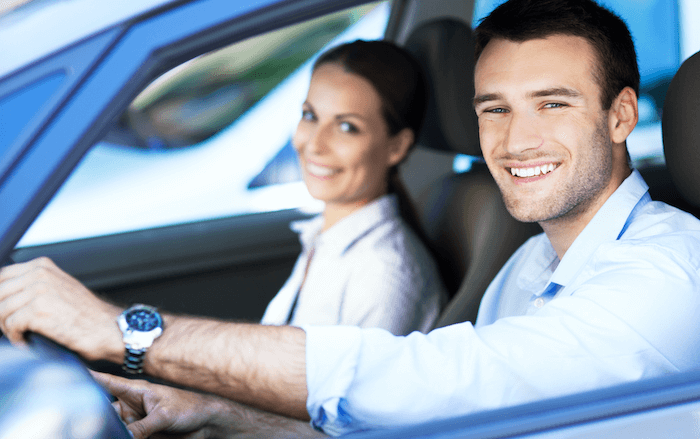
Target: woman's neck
{"x": 334, "y": 212}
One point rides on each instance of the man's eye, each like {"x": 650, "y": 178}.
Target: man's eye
{"x": 347, "y": 127}
{"x": 554, "y": 105}
{"x": 308, "y": 115}
{"x": 496, "y": 110}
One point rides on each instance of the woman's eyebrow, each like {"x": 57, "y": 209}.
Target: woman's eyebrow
{"x": 355, "y": 115}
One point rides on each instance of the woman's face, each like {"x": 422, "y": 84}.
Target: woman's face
{"x": 344, "y": 146}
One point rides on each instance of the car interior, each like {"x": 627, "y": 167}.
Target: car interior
{"x": 463, "y": 215}
{"x": 231, "y": 267}
{"x": 681, "y": 136}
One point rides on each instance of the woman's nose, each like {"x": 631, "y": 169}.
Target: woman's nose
{"x": 522, "y": 134}
{"x": 315, "y": 140}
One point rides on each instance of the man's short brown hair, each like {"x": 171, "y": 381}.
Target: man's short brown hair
{"x": 524, "y": 20}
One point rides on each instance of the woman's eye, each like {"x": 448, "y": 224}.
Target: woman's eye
{"x": 347, "y": 127}
{"x": 308, "y": 115}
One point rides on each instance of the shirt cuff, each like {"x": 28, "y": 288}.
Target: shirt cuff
{"x": 331, "y": 362}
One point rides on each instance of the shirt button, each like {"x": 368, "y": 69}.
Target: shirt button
{"x": 539, "y": 302}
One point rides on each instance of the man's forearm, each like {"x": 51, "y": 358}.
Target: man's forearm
{"x": 262, "y": 366}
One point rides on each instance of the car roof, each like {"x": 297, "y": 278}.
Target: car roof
{"x": 63, "y": 23}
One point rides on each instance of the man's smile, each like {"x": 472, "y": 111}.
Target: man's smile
{"x": 532, "y": 171}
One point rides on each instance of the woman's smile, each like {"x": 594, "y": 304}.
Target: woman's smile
{"x": 321, "y": 171}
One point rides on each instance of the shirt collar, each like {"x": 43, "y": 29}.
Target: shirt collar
{"x": 606, "y": 225}
{"x": 343, "y": 234}
{"x": 541, "y": 263}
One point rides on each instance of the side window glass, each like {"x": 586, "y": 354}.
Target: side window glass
{"x": 208, "y": 139}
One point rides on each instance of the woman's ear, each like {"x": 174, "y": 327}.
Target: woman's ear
{"x": 623, "y": 115}
{"x": 399, "y": 145}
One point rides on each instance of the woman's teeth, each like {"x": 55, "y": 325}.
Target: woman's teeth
{"x": 320, "y": 171}
{"x": 532, "y": 172}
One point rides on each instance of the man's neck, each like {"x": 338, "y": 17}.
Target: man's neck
{"x": 563, "y": 231}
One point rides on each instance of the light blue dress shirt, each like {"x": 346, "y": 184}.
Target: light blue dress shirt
{"x": 622, "y": 305}
{"x": 368, "y": 270}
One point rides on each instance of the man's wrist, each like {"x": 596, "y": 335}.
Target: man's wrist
{"x": 140, "y": 325}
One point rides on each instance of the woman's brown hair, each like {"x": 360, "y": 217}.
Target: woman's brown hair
{"x": 398, "y": 79}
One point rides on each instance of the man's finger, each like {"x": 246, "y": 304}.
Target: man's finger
{"x": 11, "y": 283}
{"x": 138, "y": 431}
{"x": 12, "y": 271}
{"x": 21, "y": 276}
{"x": 154, "y": 422}
{"x": 108, "y": 381}
{"x": 122, "y": 388}
{"x": 14, "y": 326}
{"x": 20, "y": 268}
{"x": 12, "y": 298}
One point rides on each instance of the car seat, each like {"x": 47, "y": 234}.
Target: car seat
{"x": 463, "y": 215}
{"x": 681, "y": 131}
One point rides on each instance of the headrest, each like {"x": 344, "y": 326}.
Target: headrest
{"x": 681, "y": 129}
{"x": 445, "y": 50}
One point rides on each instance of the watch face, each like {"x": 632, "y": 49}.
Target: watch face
{"x": 142, "y": 319}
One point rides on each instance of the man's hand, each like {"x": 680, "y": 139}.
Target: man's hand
{"x": 265, "y": 367}
{"x": 38, "y": 296}
{"x": 149, "y": 408}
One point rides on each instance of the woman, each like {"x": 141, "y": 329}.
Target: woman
{"x": 361, "y": 264}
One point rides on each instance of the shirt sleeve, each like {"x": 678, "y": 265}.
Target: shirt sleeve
{"x": 621, "y": 325}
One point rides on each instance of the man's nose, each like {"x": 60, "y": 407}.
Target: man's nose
{"x": 522, "y": 134}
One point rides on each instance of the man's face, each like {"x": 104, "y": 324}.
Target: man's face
{"x": 543, "y": 132}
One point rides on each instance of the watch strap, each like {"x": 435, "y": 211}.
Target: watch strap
{"x": 133, "y": 360}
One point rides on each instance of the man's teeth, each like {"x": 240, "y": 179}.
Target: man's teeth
{"x": 320, "y": 171}
{"x": 532, "y": 172}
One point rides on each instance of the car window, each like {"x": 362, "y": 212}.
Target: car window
{"x": 208, "y": 139}
{"x": 660, "y": 50}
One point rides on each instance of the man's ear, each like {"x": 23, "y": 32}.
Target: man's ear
{"x": 399, "y": 145}
{"x": 623, "y": 115}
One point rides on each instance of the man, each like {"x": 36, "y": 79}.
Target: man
{"x": 596, "y": 300}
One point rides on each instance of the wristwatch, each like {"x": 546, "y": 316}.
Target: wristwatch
{"x": 140, "y": 325}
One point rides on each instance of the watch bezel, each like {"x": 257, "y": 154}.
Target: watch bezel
{"x": 134, "y": 338}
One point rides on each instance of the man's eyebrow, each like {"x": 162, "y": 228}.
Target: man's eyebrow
{"x": 556, "y": 91}
{"x": 486, "y": 98}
